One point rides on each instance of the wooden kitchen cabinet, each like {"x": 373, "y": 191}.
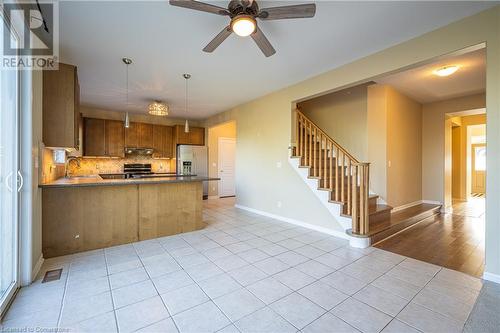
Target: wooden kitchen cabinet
{"x": 145, "y": 135}
{"x": 195, "y": 136}
{"x": 132, "y": 136}
{"x": 139, "y": 135}
{"x": 103, "y": 138}
{"x": 162, "y": 141}
{"x": 94, "y": 137}
{"x": 115, "y": 138}
{"x": 61, "y": 103}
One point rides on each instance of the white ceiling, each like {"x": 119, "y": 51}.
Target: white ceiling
{"x": 424, "y": 86}
{"x": 165, "y": 42}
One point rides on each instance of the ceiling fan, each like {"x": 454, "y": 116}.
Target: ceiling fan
{"x": 244, "y": 15}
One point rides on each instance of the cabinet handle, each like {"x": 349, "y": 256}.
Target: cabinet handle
{"x": 20, "y": 180}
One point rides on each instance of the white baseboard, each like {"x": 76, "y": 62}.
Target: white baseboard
{"x": 335, "y": 233}
{"x": 37, "y": 268}
{"x": 491, "y": 277}
{"x": 213, "y": 197}
{"x": 432, "y": 202}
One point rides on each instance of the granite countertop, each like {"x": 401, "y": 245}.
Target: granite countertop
{"x": 98, "y": 181}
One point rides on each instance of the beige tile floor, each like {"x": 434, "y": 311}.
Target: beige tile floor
{"x": 245, "y": 273}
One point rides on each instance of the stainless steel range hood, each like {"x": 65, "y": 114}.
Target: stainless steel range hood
{"x": 138, "y": 151}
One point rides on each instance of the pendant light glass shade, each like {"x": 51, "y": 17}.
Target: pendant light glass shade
{"x": 157, "y": 108}
{"x": 127, "y": 62}
{"x": 127, "y": 120}
{"x": 186, "y": 124}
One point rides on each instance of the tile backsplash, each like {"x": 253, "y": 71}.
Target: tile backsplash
{"x": 95, "y": 165}
{"x": 50, "y": 170}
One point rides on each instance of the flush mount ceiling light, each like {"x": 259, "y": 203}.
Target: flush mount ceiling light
{"x": 446, "y": 71}
{"x": 158, "y": 108}
{"x": 243, "y": 25}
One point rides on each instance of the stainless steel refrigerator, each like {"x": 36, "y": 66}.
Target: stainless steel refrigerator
{"x": 193, "y": 160}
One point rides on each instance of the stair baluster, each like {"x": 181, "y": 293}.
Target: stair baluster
{"x": 336, "y": 169}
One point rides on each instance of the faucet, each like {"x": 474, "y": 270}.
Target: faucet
{"x": 68, "y": 161}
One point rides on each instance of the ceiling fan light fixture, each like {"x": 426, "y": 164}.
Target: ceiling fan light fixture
{"x": 158, "y": 108}
{"x": 243, "y": 25}
{"x": 446, "y": 71}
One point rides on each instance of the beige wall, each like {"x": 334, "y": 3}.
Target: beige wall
{"x": 436, "y": 174}
{"x": 456, "y": 157}
{"x": 404, "y": 149}
{"x": 394, "y": 145}
{"x": 264, "y": 128}
{"x": 342, "y": 115}
{"x": 226, "y": 130}
{"x": 377, "y": 139}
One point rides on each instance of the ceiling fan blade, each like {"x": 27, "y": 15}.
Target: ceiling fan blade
{"x": 214, "y": 43}
{"x": 263, "y": 43}
{"x": 201, "y": 6}
{"x": 288, "y": 12}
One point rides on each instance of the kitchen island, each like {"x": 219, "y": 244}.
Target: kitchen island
{"x": 86, "y": 213}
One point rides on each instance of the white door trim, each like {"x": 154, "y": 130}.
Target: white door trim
{"x": 219, "y": 160}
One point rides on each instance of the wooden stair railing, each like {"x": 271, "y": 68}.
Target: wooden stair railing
{"x": 336, "y": 169}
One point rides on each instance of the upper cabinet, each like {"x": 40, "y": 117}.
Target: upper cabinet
{"x": 103, "y": 138}
{"x": 115, "y": 138}
{"x": 195, "y": 136}
{"x": 139, "y": 135}
{"x": 61, "y": 101}
{"x": 162, "y": 141}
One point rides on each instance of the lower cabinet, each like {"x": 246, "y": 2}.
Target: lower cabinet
{"x": 83, "y": 218}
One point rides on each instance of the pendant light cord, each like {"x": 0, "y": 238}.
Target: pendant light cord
{"x": 186, "y": 97}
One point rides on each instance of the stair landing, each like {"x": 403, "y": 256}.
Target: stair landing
{"x": 401, "y": 220}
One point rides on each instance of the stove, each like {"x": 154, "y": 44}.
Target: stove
{"x": 136, "y": 170}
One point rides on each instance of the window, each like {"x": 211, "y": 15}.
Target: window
{"x": 480, "y": 158}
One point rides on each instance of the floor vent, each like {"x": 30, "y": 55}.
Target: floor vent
{"x": 52, "y": 275}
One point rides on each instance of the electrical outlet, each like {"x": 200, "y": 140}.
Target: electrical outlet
{"x": 278, "y": 165}
{"x": 278, "y": 204}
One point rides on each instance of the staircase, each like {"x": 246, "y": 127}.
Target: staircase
{"x": 342, "y": 184}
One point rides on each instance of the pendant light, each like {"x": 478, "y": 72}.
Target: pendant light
{"x": 186, "y": 124}
{"x": 127, "y": 62}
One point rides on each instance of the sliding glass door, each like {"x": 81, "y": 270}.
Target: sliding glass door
{"x": 9, "y": 166}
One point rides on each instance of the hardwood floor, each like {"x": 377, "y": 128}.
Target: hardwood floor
{"x": 454, "y": 240}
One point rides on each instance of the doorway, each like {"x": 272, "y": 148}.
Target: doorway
{"x": 222, "y": 160}
{"x": 9, "y": 176}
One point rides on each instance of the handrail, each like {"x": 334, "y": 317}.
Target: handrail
{"x": 337, "y": 170}
{"x": 328, "y": 137}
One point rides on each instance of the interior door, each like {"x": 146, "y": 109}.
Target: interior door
{"x": 9, "y": 178}
{"x": 478, "y": 168}
{"x": 227, "y": 157}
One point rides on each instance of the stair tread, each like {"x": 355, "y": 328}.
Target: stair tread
{"x": 379, "y": 208}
